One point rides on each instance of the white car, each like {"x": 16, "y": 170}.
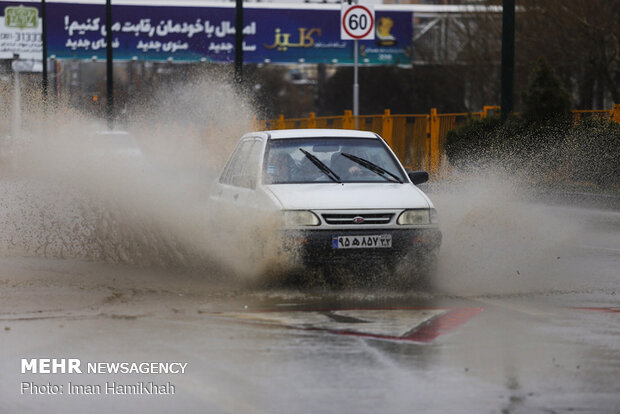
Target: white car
{"x": 343, "y": 196}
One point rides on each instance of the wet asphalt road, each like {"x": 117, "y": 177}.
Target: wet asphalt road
{"x": 548, "y": 348}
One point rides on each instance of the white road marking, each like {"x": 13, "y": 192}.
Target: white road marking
{"x": 384, "y": 322}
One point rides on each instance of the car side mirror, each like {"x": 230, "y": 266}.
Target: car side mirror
{"x": 418, "y": 177}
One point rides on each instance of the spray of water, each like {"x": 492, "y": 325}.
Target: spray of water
{"x": 67, "y": 195}
{"x": 71, "y": 193}
{"x": 497, "y": 239}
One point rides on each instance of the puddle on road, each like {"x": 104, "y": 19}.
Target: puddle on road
{"x": 415, "y": 325}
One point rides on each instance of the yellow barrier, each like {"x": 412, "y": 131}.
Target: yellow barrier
{"x": 417, "y": 139}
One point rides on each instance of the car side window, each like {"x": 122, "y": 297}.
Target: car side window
{"x": 240, "y": 171}
{"x": 250, "y": 167}
{"x": 235, "y": 163}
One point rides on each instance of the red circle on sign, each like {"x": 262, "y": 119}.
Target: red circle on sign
{"x": 344, "y": 19}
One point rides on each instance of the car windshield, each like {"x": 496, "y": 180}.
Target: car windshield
{"x": 316, "y": 160}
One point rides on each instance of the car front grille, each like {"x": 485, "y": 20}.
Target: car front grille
{"x": 354, "y": 219}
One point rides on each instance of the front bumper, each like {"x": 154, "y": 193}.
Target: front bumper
{"x": 316, "y": 248}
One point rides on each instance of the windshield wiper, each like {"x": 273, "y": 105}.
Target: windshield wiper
{"x": 373, "y": 167}
{"x": 324, "y": 168}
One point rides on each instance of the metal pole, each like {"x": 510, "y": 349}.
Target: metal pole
{"x": 109, "y": 65}
{"x": 238, "y": 40}
{"x": 44, "y": 47}
{"x": 508, "y": 57}
{"x": 132, "y": 86}
{"x": 55, "y": 77}
{"x": 17, "y": 107}
{"x": 356, "y": 85}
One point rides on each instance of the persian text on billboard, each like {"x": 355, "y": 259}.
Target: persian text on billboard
{"x": 278, "y": 35}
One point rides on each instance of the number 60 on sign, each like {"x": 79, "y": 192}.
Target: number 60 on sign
{"x": 357, "y": 22}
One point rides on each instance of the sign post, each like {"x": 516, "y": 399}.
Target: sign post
{"x": 356, "y": 22}
{"x": 44, "y": 50}
{"x": 109, "y": 61}
{"x": 238, "y": 41}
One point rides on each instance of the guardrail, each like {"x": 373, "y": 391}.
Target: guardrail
{"x": 417, "y": 139}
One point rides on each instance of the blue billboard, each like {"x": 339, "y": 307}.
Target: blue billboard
{"x": 272, "y": 33}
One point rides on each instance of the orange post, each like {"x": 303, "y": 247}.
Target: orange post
{"x": 347, "y": 121}
{"x": 312, "y": 120}
{"x": 428, "y": 143}
{"x": 281, "y": 124}
{"x": 434, "y": 141}
{"x": 258, "y": 125}
{"x": 487, "y": 108}
{"x": 387, "y": 127}
{"x": 615, "y": 115}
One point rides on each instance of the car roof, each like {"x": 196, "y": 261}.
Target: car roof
{"x": 315, "y": 133}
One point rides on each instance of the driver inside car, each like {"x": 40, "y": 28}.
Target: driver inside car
{"x": 280, "y": 168}
{"x": 344, "y": 167}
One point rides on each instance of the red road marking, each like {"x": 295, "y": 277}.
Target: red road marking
{"x": 424, "y": 333}
{"x": 428, "y": 331}
{"x": 443, "y": 324}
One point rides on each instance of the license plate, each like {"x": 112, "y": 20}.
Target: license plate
{"x": 362, "y": 242}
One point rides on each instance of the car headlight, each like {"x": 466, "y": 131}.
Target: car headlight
{"x": 295, "y": 218}
{"x": 412, "y": 217}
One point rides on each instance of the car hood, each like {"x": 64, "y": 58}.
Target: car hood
{"x": 333, "y": 196}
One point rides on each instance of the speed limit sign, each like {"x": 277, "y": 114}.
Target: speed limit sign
{"x": 357, "y": 22}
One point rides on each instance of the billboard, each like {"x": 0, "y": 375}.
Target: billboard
{"x": 20, "y": 30}
{"x": 206, "y": 32}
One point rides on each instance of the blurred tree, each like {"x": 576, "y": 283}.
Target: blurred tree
{"x": 581, "y": 38}
{"x": 438, "y": 86}
{"x": 380, "y": 88}
{"x": 463, "y": 48}
{"x": 545, "y": 97}
{"x": 402, "y": 90}
{"x": 274, "y": 93}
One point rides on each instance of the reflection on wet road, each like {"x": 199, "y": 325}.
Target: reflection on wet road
{"x": 537, "y": 350}
{"x": 398, "y": 324}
